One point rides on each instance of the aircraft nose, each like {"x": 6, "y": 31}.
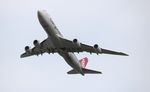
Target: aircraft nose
{"x": 38, "y": 12}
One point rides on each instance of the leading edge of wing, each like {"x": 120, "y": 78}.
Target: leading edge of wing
{"x": 25, "y": 55}
{"x": 105, "y": 51}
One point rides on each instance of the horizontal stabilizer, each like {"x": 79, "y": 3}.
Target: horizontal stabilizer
{"x": 72, "y": 72}
{"x": 88, "y": 71}
{"x": 85, "y": 71}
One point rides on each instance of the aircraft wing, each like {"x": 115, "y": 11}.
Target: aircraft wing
{"x": 69, "y": 46}
{"x": 45, "y": 46}
{"x": 72, "y": 47}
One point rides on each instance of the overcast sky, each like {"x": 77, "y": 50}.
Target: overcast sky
{"x": 121, "y": 25}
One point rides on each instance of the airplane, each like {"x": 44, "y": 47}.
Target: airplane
{"x": 56, "y": 43}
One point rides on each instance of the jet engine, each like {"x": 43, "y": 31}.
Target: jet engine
{"x": 27, "y": 49}
{"x": 36, "y": 43}
{"x": 76, "y": 42}
{"x": 97, "y": 49}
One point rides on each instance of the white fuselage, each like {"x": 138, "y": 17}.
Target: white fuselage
{"x": 54, "y": 34}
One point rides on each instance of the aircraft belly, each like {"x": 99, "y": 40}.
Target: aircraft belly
{"x": 55, "y": 40}
{"x": 72, "y": 60}
{"x": 50, "y": 29}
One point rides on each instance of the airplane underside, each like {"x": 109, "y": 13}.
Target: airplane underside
{"x": 56, "y": 43}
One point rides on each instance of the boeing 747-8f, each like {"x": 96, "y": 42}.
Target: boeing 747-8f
{"x": 56, "y": 43}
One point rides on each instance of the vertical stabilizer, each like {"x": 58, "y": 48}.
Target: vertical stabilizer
{"x": 83, "y": 62}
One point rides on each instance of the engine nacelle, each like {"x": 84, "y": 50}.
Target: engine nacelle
{"x": 97, "y": 49}
{"x": 36, "y": 43}
{"x": 27, "y": 49}
{"x": 76, "y": 42}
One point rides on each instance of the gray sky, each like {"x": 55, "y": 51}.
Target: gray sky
{"x": 121, "y": 25}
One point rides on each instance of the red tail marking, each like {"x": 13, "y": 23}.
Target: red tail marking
{"x": 84, "y": 62}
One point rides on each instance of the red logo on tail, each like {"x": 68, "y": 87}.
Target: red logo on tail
{"x": 84, "y": 62}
